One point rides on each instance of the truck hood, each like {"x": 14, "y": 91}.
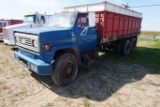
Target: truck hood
{"x": 47, "y": 33}
{"x": 41, "y": 30}
{"x": 17, "y": 26}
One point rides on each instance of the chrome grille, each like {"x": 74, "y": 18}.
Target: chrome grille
{"x": 25, "y": 41}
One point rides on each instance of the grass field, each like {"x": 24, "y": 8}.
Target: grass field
{"x": 146, "y": 54}
{"x": 113, "y": 81}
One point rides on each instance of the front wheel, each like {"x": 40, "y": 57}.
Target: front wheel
{"x": 65, "y": 69}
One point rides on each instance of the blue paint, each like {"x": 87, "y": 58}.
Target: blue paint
{"x": 42, "y": 67}
{"x": 57, "y": 38}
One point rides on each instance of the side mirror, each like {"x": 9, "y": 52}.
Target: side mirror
{"x": 92, "y": 21}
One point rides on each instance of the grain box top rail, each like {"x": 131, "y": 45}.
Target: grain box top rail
{"x": 104, "y": 6}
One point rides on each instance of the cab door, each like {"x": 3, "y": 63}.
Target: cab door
{"x": 86, "y": 33}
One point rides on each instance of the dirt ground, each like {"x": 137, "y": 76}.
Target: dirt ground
{"x": 107, "y": 83}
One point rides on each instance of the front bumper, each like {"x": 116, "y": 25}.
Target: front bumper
{"x": 35, "y": 65}
{"x": 1, "y": 36}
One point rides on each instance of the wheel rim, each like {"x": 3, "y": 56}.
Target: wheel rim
{"x": 68, "y": 70}
{"x": 127, "y": 48}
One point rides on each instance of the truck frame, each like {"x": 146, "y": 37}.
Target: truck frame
{"x": 72, "y": 39}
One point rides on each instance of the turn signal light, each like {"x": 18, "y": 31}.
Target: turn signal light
{"x": 46, "y": 47}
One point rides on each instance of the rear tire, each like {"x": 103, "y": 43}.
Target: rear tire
{"x": 126, "y": 47}
{"x": 133, "y": 43}
{"x": 65, "y": 69}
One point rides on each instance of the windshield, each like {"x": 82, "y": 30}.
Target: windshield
{"x": 62, "y": 20}
{"x": 30, "y": 18}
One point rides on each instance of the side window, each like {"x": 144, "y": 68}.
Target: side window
{"x": 4, "y": 24}
{"x": 83, "y": 21}
{"x": 42, "y": 20}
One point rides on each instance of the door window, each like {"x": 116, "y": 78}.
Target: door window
{"x": 4, "y": 24}
{"x": 87, "y": 20}
{"x": 42, "y": 20}
{"x": 83, "y": 21}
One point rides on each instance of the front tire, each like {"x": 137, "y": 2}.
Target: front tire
{"x": 65, "y": 69}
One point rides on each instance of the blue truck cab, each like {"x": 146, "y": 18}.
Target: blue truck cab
{"x": 68, "y": 40}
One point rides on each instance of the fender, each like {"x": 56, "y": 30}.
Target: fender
{"x": 50, "y": 56}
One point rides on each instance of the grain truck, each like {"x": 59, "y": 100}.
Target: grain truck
{"x": 71, "y": 39}
{"x": 31, "y": 20}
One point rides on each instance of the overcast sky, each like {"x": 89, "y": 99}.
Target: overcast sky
{"x": 15, "y": 9}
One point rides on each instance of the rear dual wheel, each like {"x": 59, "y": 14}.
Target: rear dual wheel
{"x": 65, "y": 69}
{"x": 126, "y": 47}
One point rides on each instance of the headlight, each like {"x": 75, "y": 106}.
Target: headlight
{"x": 34, "y": 43}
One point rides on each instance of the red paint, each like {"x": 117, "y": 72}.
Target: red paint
{"x": 0, "y": 30}
{"x": 13, "y": 22}
{"x": 114, "y": 24}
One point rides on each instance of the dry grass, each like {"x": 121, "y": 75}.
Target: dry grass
{"x": 112, "y": 81}
{"x": 149, "y": 44}
{"x": 150, "y": 33}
